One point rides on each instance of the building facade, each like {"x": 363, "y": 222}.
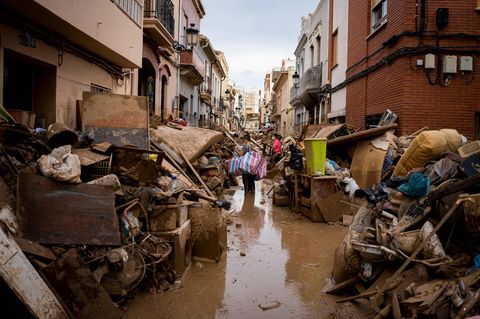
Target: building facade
{"x": 283, "y": 111}
{"x": 215, "y": 72}
{"x": 420, "y": 59}
{"x": 158, "y": 74}
{"x": 50, "y": 54}
{"x": 311, "y": 57}
{"x": 266, "y": 105}
{"x": 191, "y": 64}
{"x": 251, "y": 105}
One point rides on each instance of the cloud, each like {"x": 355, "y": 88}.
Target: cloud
{"x": 255, "y": 35}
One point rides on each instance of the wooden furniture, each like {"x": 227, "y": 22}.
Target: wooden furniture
{"x": 308, "y": 190}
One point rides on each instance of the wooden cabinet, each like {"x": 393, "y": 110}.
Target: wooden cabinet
{"x": 309, "y": 190}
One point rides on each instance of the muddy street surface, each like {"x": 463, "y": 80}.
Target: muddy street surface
{"x": 276, "y": 260}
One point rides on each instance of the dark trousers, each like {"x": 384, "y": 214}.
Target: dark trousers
{"x": 248, "y": 183}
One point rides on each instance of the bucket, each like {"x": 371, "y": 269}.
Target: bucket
{"x": 315, "y": 155}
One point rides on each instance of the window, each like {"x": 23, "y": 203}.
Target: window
{"x": 379, "y": 13}
{"x": 132, "y": 8}
{"x": 318, "y": 49}
{"x": 312, "y": 56}
{"x": 335, "y": 48}
{"x": 95, "y": 88}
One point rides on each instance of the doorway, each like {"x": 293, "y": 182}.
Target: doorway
{"x": 146, "y": 83}
{"x": 30, "y": 85}
{"x": 163, "y": 97}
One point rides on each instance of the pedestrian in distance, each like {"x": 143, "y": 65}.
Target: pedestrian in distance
{"x": 277, "y": 148}
{"x": 247, "y": 179}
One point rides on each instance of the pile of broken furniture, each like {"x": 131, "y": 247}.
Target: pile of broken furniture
{"x": 413, "y": 246}
{"x": 113, "y": 218}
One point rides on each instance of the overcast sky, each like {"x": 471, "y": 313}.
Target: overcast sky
{"x": 255, "y": 35}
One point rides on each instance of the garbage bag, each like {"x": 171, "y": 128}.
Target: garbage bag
{"x": 441, "y": 171}
{"x": 61, "y": 165}
{"x": 427, "y": 146}
{"x": 417, "y": 186}
{"x": 434, "y": 247}
{"x": 296, "y": 158}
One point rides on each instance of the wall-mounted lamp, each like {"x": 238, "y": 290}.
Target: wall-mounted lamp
{"x": 192, "y": 40}
{"x": 296, "y": 79}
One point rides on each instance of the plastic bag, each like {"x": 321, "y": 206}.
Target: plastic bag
{"x": 350, "y": 187}
{"x": 417, "y": 186}
{"x": 61, "y": 165}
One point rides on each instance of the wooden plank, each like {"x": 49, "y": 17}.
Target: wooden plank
{"x": 361, "y": 135}
{"x": 165, "y": 148}
{"x": 19, "y": 274}
{"x": 176, "y": 165}
{"x": 102, "y": 147}
{"x": 81, "y": 293}
{"x": 209, "y": 192}
{"x": 62, "y": 213}
{"x": 137, "y": 150}
{"x": 343, "y": 285}
{"x": 87, "y": 157}
{"x": 36, "y": 249}
{"x": 118, "y": 119}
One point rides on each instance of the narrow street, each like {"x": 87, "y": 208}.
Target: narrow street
{"x": 287, "y": 260}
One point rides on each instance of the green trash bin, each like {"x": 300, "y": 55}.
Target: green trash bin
{"x": 315, "y": 155}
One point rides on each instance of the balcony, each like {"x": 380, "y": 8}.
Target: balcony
{"x": 99, "y": 27}
{"x": 308, "y": 90}
{"x": 159, "y": 23}
{"x": 192, "y": 67}
{"x": 206, "y": 94}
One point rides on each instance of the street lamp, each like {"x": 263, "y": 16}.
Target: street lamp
{"x": 296, "y": 79}
{"x": 192, "y": 40}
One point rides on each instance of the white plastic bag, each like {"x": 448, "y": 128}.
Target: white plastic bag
{"x": 350, "y": 187}
{"x": 61, "y": 165}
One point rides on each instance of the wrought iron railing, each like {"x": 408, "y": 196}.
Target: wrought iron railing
{"x": 164, "y": 11}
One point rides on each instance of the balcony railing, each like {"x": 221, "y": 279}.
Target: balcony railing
{"x": 311, "y": 79}
{"x": 310, "y": 82}
{"x": 164, "y": 12}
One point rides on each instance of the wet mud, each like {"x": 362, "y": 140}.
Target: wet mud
{"x": 276, "y": 266}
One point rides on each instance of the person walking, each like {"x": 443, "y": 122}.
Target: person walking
{"x": 247, "y": 179}
{"x": 277, "y": 148}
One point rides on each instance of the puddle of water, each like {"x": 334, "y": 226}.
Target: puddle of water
{"x": 273, "y": 256}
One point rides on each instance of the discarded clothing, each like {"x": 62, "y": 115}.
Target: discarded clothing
{"x": 417, "y": 186}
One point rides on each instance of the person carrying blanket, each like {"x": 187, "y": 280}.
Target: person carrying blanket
{"x": 248, "y": 163}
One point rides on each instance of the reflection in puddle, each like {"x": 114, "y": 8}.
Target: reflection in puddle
{"x": 274, "y": 255}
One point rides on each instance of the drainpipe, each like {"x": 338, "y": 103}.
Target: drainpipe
{"x": 179, "y": 25}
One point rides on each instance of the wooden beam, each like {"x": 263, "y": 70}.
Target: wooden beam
{"x": 24, "y": 280}
{"x": 209, "y": 192}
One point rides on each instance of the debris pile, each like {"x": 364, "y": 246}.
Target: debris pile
{"x": 114, "y": 218}
{"x": 413, "y": 245}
